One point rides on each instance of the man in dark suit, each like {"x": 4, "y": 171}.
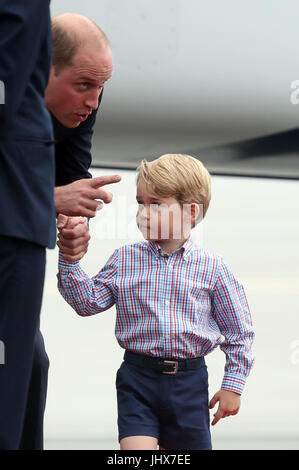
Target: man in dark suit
{"x": 81, "y": 64}
{"x": 27, "y": 222}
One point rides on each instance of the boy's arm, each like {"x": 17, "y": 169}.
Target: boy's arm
{"x": 231, "y": 312}
{"x": 88, "y": 296}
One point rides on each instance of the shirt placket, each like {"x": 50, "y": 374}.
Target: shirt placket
{"x": 166, "y": 318}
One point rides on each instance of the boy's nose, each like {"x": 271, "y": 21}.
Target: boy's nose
{"x": 142, "y": 212}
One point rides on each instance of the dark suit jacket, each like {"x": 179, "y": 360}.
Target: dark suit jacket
{"x": 26, "y": 158}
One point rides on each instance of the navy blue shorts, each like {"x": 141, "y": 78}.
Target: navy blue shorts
{"x": 172, "y": 408}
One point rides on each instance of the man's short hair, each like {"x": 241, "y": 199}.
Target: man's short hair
{"x": 66, "y": 42}
{"x": 64, "y": 47}
{"x": 180, "y": 176}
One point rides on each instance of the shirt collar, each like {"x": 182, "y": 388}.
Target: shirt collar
{"x": 185, "y": 249}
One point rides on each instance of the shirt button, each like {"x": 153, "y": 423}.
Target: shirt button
{"x": 167, "y": 336}
{"x": 166, "y": 302}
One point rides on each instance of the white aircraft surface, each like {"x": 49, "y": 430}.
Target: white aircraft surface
{"x": 216, "y": 80}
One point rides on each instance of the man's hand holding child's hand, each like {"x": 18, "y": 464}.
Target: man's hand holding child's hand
{"x": 73, "y": 237}
{"x": 229, "y": 404}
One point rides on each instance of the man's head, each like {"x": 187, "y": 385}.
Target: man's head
{"x": 81, "y": 64}
{"x": 175, "y": 188}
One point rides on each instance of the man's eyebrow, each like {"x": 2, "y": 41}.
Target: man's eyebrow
{"x": 86, "y": 79}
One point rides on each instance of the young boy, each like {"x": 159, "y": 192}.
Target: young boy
{"x": 174, "y": 300}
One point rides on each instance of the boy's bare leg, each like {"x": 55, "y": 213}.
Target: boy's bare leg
{"x": 138, "y": 443}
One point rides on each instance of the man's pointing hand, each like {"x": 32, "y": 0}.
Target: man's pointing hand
{"x": 80, "y": 197}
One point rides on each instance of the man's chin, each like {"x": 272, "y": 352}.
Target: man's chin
{"x": 68, "y": 122}
{"x": 76, "y": 124}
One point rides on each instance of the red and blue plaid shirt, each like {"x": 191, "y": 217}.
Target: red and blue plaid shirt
{"x": 178, "y": 306}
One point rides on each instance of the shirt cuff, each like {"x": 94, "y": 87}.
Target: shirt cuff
{"x": 233, "y": 383}
{"x": 66, "y": 265}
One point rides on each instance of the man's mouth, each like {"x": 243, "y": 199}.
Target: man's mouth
{"x": 82, "y": 117}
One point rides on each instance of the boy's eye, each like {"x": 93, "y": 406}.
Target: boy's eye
{"x": 154, "y": 205}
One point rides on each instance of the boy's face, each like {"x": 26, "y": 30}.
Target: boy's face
{"x": 160, "y": 218}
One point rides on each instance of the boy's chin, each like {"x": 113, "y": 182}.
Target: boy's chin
{"x": 152, "y": 238}
{"x": 149, "y": 237}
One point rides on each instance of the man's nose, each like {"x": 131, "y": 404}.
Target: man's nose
{"x": 92, "y": 100}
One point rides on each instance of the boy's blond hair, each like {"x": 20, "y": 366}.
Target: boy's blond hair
{"x": 180, "y": 176}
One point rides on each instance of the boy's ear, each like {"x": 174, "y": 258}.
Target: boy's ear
{"x": 195, "y": 212}
{"x": 192, "y": 214}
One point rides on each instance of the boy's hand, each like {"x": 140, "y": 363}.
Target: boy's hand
{"x": 229, "y": 404}
{"x": 73, "y": 237}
